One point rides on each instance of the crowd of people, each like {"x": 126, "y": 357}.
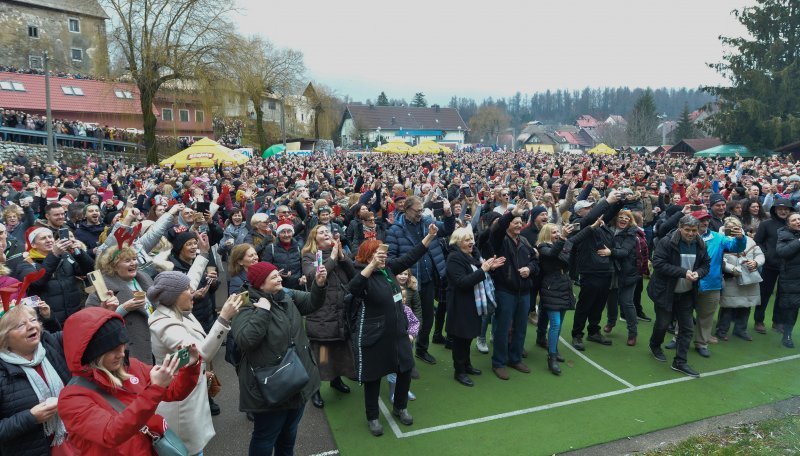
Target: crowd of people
{"x": 228, "y": 131}
{"x": 34, "y": 122}
{"x": 344, "y": 269}
{"x": 55, "y": 74}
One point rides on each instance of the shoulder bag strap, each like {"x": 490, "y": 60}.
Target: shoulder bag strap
{"x": 112, "y": 401}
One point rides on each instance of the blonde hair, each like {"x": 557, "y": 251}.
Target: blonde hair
{"x": 10, "y": 320}
{"x": 4, "y": 271}
{"x": 311, "y": 242}
{"x": 108, "y": 260}
{"x": 734, "y": 221}
{"x": 461, "y": 234}
{"x": 237, "y": 253}
{"x": 629, "y": 214}
{"x": 117, "y": 377}
{"x": 12, "y": 209}
{"x": 546, "y": 233}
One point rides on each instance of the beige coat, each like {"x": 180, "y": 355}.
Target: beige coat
{"x": 190, "y": 419}
{"x": 733, "y": 294}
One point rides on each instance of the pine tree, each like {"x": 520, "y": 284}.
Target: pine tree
{"x": 643, "y": 122}
{"x": 760, "y": 107}
{"x": 685, "y": 129}
{"x": 383, "y": 100}
{"x": 419, "y": 100}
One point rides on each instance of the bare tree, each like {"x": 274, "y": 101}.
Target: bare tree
{"x": 263, "y": 71}
{"x": 328, "y": 110}
{"x": 164, "y": 40}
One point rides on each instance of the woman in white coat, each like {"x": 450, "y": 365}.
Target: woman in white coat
{"x": 736, "y": 300}
{"x": 173, "y": 326}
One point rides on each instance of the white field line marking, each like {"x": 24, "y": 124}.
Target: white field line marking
{"x": 587, "y": 398}
{"x": 392, "y": 423}
{"x": 599, "y": 367}
{"x": 327, "y": 453}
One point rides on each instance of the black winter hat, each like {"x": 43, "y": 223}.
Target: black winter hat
{"x": 108, "y": 337}
{"x": 715, "y": 198}
{"x": 179, "y": 239}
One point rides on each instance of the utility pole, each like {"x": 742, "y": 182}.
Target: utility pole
{"x": 48, "y": 113}
{"x": 283, "y": 120}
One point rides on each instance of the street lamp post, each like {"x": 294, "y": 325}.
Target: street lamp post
{"x": 48, "y": 113}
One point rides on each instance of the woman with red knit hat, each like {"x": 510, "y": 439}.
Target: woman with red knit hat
{"x": 263, "y": 332}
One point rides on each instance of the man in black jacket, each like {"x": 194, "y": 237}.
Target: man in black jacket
{"x": 679, "y": 262}
{"x": 593, "y": 257}
{"x": 513, "y": 283}
{"x": 767, "y": 238}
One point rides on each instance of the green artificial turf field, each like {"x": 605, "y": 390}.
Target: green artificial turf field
{"x": 607, "y": 394}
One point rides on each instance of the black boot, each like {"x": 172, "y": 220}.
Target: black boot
{"x": 215, "y": 410}
{"x": 316, "y": 399}
{"x": 787, "y": 340}
{"x": 552, "y": 364}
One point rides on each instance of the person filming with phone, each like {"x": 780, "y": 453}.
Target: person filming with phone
{"x": 172, "y": 326}
{"x": 63, "y": 260}
{"x": 110, "y": 405}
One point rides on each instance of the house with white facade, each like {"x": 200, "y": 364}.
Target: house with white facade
{"x": 362, "y": 124}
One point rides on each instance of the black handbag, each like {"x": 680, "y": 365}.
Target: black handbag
{"x": 280, "y": 383}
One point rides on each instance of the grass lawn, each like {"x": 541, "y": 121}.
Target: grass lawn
{"x": 603, "y": 394}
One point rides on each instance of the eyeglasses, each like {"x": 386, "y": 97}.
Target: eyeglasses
{"x": 413, "y": 209}
{"x": 504, "y": 194}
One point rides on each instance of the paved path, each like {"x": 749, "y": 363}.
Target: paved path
{"x": 233, "y": 429}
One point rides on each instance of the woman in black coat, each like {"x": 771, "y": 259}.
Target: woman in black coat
{"x": 555, "y": 294}
{"x": 788, "y": 250}
{"x": 380, "y": 337}
{"x": 29, "y": 423}
{"x": 467, "y": 277}
{"x": 625, "y": 276}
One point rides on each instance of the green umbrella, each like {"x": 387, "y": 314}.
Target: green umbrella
{"x": 273, "y": 150}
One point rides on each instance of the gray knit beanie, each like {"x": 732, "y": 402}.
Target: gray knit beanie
{"x": 167, "y": 287}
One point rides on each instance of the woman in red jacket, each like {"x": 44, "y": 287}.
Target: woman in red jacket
{"x": 94, "y": 346}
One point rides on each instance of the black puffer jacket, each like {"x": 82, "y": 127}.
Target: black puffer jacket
{"x": 60, "y": 287}
{"x": 328, "y": 323}
{"x": 589, "y": 240}
{"x": 89, "y": 234}
{"x": 518, "y": 255}
{"x": 788, "y": 250}
{"x": 20, "y": 434}
{"x": 767, "y": 235}
{"x": 555, "y": 290}
{"x": 623, "y": 256}
{"x": 290, "y": 260}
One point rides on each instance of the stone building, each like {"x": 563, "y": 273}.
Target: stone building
{"x": 72, "y": 31}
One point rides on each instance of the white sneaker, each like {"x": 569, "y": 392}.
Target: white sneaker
{"x": 411, "y": 396}
{"x": 481, "y": 344}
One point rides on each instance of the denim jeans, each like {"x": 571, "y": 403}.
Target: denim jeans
{"x": 512, "y": 313}
{"x": 554, "y": 317}
{"x": 275, "y": 431}
{"x": 623, "y": 298}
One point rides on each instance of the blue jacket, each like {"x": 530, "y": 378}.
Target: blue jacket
{"x": 401, "y": 240}
{"x": 716, "y": 245}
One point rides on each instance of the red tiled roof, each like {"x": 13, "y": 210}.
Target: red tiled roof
{"x": 586, "y": 121}
{"x": 98, "y": 96}
{"x": 569, "y": 137}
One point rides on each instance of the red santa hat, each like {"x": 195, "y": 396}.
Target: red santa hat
{"x": 52, "y": 195}
{"x": 67, "y": 199}
{"x": 32, "y": 233}
{"x": 283, "y": 226}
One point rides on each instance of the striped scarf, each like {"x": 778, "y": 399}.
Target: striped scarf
{"x": 484, "y": 294}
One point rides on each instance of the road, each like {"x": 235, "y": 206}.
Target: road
{"x": 233, "y": 429}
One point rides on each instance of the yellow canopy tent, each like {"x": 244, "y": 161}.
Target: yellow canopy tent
{"x": 540, "y": 148}
{"x": 204, "y": 153}
{"x": 429, "y": 147}
{"x": 394, "y": 147}
{"x": 602, "y": 149}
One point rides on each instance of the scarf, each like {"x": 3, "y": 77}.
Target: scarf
{"x": 34, "y": 254}
{"x": 484, "y": 294}
{"x": 43, "y": 390}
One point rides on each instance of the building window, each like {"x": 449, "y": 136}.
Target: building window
{"x": 122, "y": 94}
{"x": 184, "y": 115}
{"x": 35, "y": 62}
{"x": 68, "y": 90}
{"x": 166, "y": 114}
{"x": 33, "y": 31}
{"x": 272, "y": 105}
{"x": 199, "y": 116}
{"x": 77, "y": 55}
{"x": 12, "y": 85}
{"x": 74, "y": 25}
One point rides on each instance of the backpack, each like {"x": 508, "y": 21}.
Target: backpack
{"x": 642, "y": 254}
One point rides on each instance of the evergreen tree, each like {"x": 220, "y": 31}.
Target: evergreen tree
{"x": 643, "y": 122}
{"x": 760, "y": 108}
{"x": 685, "y": 129}
{"x": 383, "y": 100}
{"x": 419, "y": 100}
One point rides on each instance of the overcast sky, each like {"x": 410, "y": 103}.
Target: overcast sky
{"x": 446, "y": 47}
